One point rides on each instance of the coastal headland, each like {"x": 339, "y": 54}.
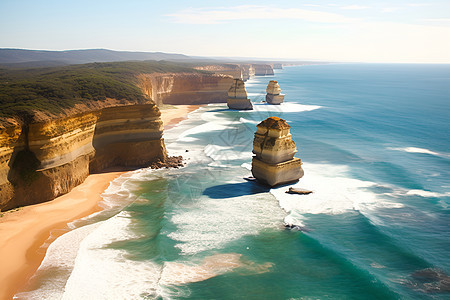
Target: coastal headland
{"x": 83, "y": 119}
{"x": 25, "y": 231}
{"x": 79, "y": 128}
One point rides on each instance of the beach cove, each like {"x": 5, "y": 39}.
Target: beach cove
{"x": 25, "y": 233}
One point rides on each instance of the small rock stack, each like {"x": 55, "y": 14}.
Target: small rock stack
{"x": 274, "y": 162}
{"x": 274, "y": 95}
{"x": 237, "y": 96}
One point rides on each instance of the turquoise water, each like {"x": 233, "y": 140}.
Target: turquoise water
{"x": 374, "y": 140}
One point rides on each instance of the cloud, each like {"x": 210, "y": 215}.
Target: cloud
{"x": 253, "y": 12}
{"x": 390, "y": 9}
{"x": 445, "y": 20}
{"x": 419, "y": 4}
{"x": 354, "y": 7}
{"x": 313, "y": 5}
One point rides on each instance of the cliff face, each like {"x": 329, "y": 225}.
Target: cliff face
{"x": 11, "y": 139}
{"x": 274, "y": 162}
{"x": 240, "y": 71}
{"x": 186, "y": 88}
{"x": 274, "y": 93}
{"x": 54, "y": 153}
{"x": 247, "y": 71}
{"x": 237, "y": 96}
{"x": 232, "y": 70}
{"x": 130, "y": 137}
{"x": 43, "y": 160}
{"x": 262, "y": 69}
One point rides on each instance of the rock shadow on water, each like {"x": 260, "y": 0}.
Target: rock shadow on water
{"x": 232, "y": 190}
{"x": 220, "y": 110}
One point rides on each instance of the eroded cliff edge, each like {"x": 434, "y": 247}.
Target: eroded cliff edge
{"x": 59, "y": 125}
{"x": 40, "y": 161}
{"x": 185, "y": 88}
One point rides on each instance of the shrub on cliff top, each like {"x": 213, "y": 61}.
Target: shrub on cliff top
{"x": 52, "y": 90}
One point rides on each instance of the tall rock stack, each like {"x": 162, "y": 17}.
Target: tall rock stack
{"x": 274, "y": 95}
{"x": 237, "y": 96}
{"x": 274, "y": 162}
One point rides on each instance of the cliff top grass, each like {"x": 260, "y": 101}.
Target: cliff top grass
{"x": 54, "y": 91}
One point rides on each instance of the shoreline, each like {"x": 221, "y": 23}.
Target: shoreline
{"x": 24, "y": 231}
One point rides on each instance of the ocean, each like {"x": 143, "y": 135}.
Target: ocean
{"x": 374, "y": 141}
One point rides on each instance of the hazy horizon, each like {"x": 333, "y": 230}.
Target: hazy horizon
{"x": 399, "y": 31}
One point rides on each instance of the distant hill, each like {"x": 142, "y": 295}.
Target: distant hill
{"x": 52, "y": 58}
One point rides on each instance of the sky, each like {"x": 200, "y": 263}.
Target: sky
{"x": 404, "y": 31}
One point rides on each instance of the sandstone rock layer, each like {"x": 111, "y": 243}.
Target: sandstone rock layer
{"x": 262, "y": 69}
{"x": 185, "y": 88}
{"x": 237, "y": 96}
{"x": 274, "y": 95}
{"x": 41, "y": 161}
{"x": 274, "y": 162}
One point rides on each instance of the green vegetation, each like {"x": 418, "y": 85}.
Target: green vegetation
{"x": 52, "y": 90}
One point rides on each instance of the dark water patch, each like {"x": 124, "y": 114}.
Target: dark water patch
{"x": 231, "y": 190}
{"x": 431, "y": 281}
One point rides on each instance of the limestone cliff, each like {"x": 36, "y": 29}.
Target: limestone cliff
{"x": 262, "y": 69}
{"x": 186, "y": 88}
{"x": 240, "y": 71}
{"x": 237, "y": 96}
{"x": 274, "y": 162}
{"x": 274, "y": 95}
{"x": 235, "y": 71}
{"x": 277, "y": 66}
{"x": 40, "y": 161}
{"x": 11, "y": 140}
{"x": 52, "y": 153}
{"x": 247, "y": 71}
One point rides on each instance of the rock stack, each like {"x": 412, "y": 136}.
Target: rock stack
{"x": 274, "y": 93}
{"x": 237, "y": 96}
{"x": 274, "y": 162}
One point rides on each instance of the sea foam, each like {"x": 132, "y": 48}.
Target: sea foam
{"x": 213, "y": 223}
{"x": 421, "y": 151}
{"x": 60, "y": 257}
{"x": 334, "y": 192}
{"x": 284, "y": 107}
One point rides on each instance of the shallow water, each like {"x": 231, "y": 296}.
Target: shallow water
{"x": 374, "y": 140}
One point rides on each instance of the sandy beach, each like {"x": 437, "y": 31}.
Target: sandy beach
{"x": 24, "y": 231}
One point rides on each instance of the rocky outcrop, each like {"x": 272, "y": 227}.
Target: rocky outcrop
{"x": 274, "y": 162}
{"x": 247, "y": 71}
{"x": 237, "y": 96}
{"x": 274, "y": 95}
{"x": 185, "y": 88}
{"x": 298, "y": 191}
{"x": 262, "y": 69}
{"x": 41, "y": 161}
